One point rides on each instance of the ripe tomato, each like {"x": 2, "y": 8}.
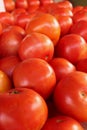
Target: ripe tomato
{"x": 72, "y": 47}
{"x": 62, "y": 67}
{"x": 7, "y": 64}
{"x": 70, "y": 95}
{"x": 37, "y": 74}
{"x": 9, "y": 43}
{"x": 33, "y": 5}
{"x": 62, "y": 123}
{"x": 65, "y": 23}
{"x": 82, "y": 65}
{"x": 1, "y": 28}
{"x": 78, "y": 28}
{"x": 19, "y": 106}
{"x": 21, "y": 4}
{"x": 36, "y": 45}
{"x": 9, "y": 5}
{"x": 42, "y": 24}
{"x": 80, "y": 15}
{"x": 17, "y": 28}
{"x": 22, "y": 19}
{"x": 6, "y": 18}
{"x": 77, "y": 8}
{"x": 45, "y": 2}
{"x": 5, "y": 82}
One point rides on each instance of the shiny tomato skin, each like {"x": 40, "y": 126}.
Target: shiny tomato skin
{"x": 72, "y": 91}
{"x": 9, "y": 5}
{"x": 62, "y": 123}
{"x": 77, "y": 8}
{"x": 72, "y": 47}
{"x": 9, "y": 43}
{"x": 7, "y": 64}
{"x": 37, "y": 74}
{"x": 42, "y": 24}
{"x": 6, "y": 18}
{"x": 80, "y": 15}
{"x": 5, "y": 82}
{"x": 36, "y": 45}
{"x": 62, "y": 67}
{"x": 65, "y": 23}
{"x": 21, "y": 4}
{"x": 79, "y": 29}
{"x": 19, "y": 106}
{"x": 82, "y": 65}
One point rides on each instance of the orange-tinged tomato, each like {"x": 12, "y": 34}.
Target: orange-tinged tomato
{"x": 9, "y": 5}
{"x": 5, "y": 82}
{"x": 46, "y": 24}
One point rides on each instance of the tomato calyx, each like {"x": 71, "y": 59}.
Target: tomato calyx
{"x": 14, "y": 92}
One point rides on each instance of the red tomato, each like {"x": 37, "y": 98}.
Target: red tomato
{"x": 9, "y": 5}
{"x": 72, "y": 47}
{"x": 21, "y": 4}
{"x": 78, "y": 28}
{"x": 22, "y": 19}
{"x": 7, "y": 64}
{"x": 37, "y": 74}
{"x": 70, "y": 95}
{"x": 80, "y": 15}
{"x": 65, "y": 4}
{"x": 19, "y": 106}
{"x": 45, "y": 2}
{"x": 62, "y": 12}
{"x": 6, "y": 18}
{"x": 5, "y": 82}
{"x": 36, "y": 45}
{"x": 82, "y": 65}
{"x": 77, "y": 8}
{"x": 46, "y": 24}
{"x": 17, "y": 28}
{"x": 9, "y": 43}
{"x": 33, "y": 5}
{"x": 1, "y": 28}
{"x": 65, "y": 23}
{"x": 62, "y": 123}
{"x": 62, "y": 67}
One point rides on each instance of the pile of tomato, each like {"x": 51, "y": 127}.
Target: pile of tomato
{"x": 43, "y": 65}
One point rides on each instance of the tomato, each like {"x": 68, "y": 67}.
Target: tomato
{"x": 62, "y": 67}
{"x": 19, "y": 106}
{"x": 70, "y": 95}
{"x": 9, "y": 43}
{"x": 45, "y": 2}
{"x": 6, "y": 18}
{"x": 7, "y": 64}
{"x": 5, "y": 82}
{"x": 9, "y": 5}
{"x": 80, "y": 15}
{"x": 22, "y": 19}
{"x": 33, "y": 5}
{"x": 77, "y": 8}
{"x": 17, "y": 28}
{"x": 82, "y": 65}
{"x": 21, "y": 4}
{"x": 1, "y": 28}
{"x": 65, "y": 23}
{"x": 78, "y": 28}
{"x": 63, "y": 123}
{"x": 36, "y": 45}
{"x": 37, "y": 74}
{"x": 62, "y": 11}
{"x": 72, "y": 47}
{"x": 42, "y": 24}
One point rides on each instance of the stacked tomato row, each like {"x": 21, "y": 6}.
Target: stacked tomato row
{"x": 43, "y": 65}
